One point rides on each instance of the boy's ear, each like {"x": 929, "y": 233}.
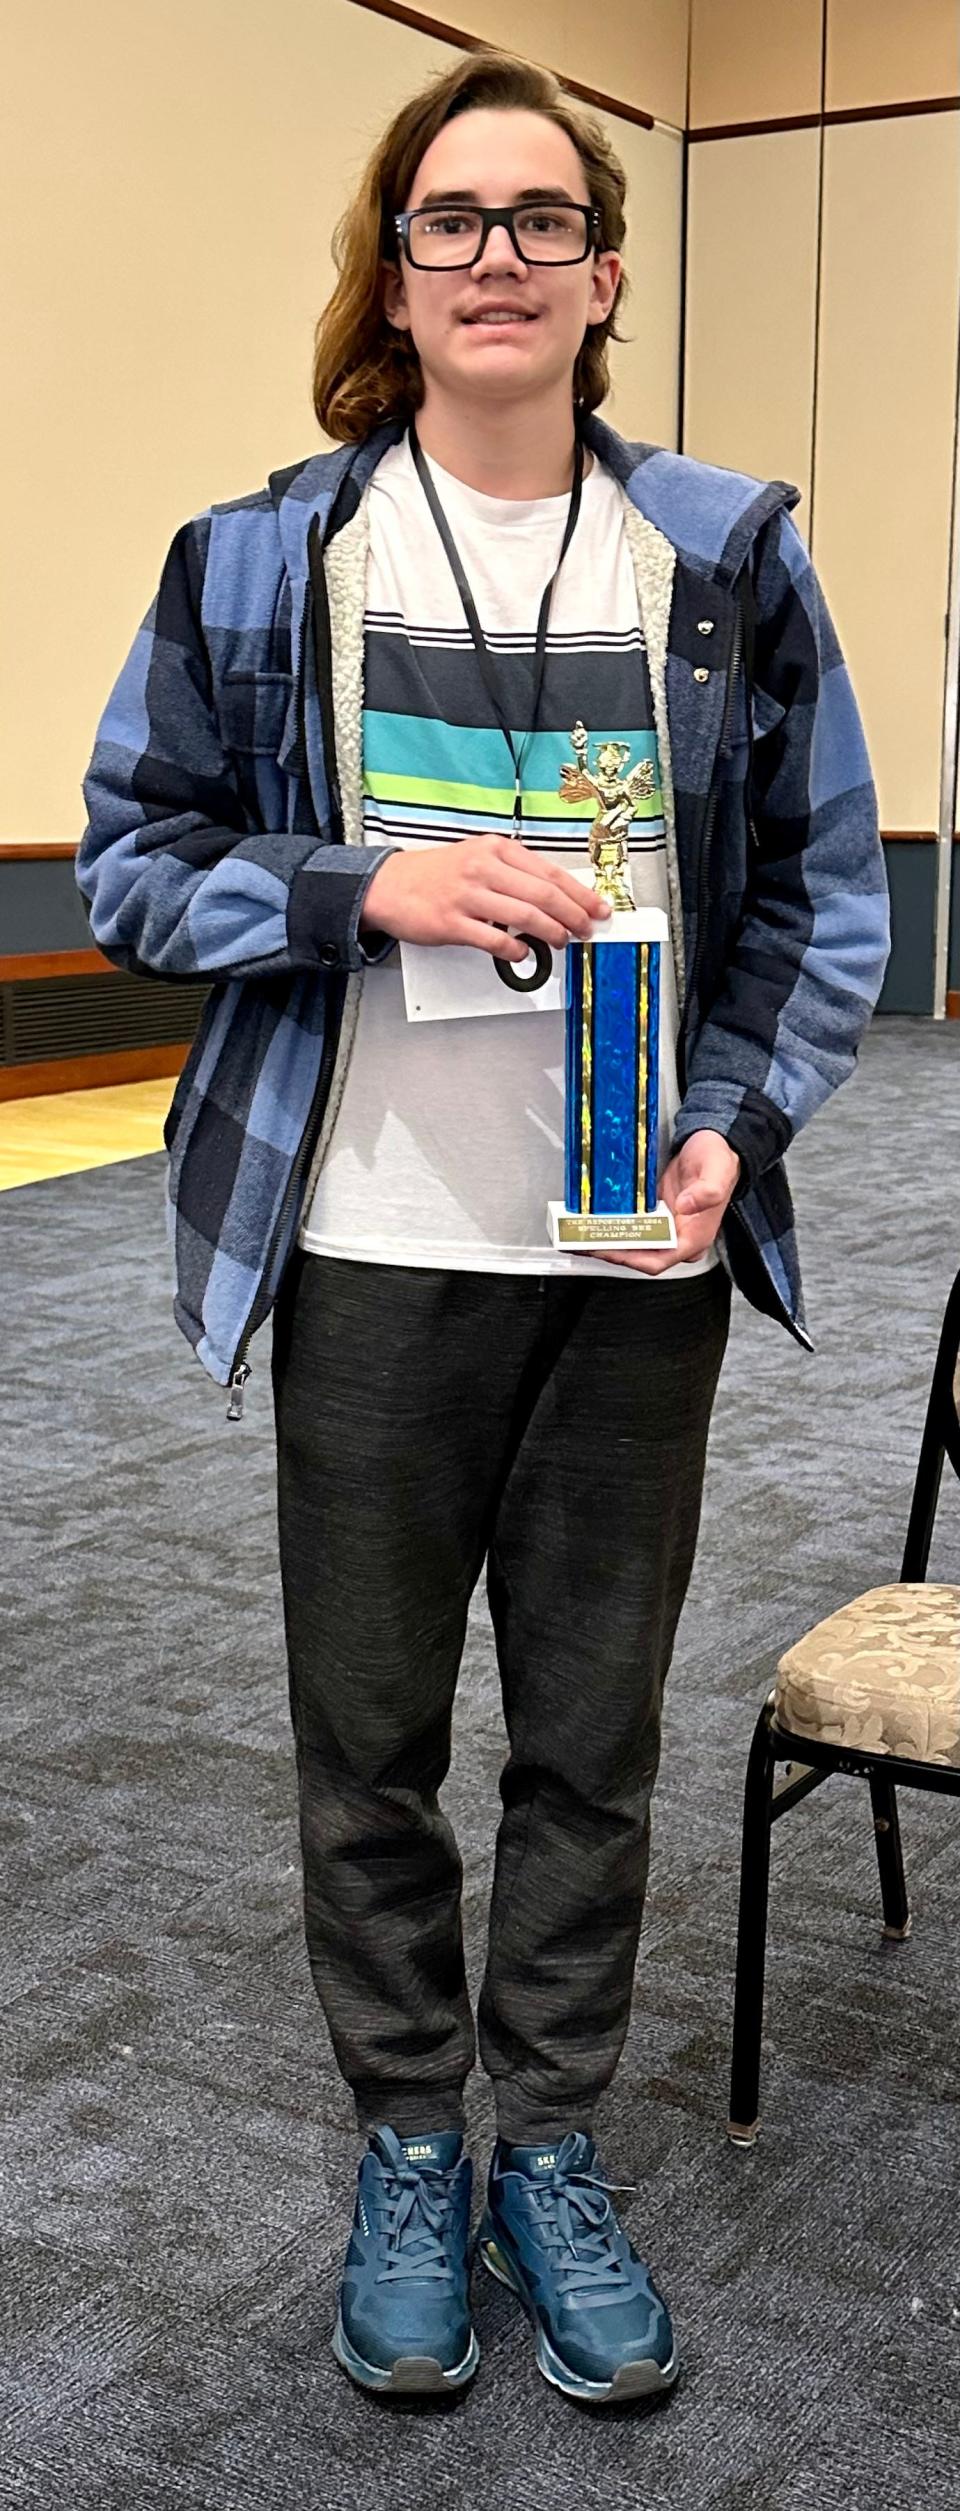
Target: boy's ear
{"x": 607, "y": 272}
{"x": 394, "y": 297}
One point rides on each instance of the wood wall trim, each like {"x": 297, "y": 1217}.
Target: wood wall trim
{"x": 812, "y": 121}
{"x": 914, "y": 836}
{"x": 422, "y": 24}
{"x": 27, "y": 964}
{"x": 953, "y": 1006}
{"x": 755, "y": 130}
{"x": 37, "y": 849}
{"x": 891, "y": 113}
{"x": 91, "y": 1072}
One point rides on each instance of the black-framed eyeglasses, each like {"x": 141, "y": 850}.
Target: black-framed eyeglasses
{"x": 453, "y": 237}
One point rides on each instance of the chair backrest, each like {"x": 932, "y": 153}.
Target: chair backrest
{"x": 941, "y": 1439}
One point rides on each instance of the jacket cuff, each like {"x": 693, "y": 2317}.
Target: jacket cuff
{"x": 375, "y": 947}
{"x": 325, "y": 905}
{"x": 756, "y": 1130}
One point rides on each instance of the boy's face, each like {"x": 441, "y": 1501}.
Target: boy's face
{"x": 496, "y": 154}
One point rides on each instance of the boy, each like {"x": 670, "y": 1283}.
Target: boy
{"x": 347, "y": 736}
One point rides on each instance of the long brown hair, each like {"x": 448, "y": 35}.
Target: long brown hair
{"x": 364, "y": 370}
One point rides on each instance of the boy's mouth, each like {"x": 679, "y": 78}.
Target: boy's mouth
{"x": 495, "y": 317}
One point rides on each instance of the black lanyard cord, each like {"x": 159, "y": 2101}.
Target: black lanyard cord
{"x": 483, "y": 653}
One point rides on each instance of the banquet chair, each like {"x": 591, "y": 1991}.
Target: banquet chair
{"x": 873, "y": 1691}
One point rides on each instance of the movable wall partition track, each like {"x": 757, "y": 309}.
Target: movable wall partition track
{"x": 948, "y": 872}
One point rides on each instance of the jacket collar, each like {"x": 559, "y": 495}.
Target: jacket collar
{"x": 711, "y": 516}
{"x": 326, "y": 481}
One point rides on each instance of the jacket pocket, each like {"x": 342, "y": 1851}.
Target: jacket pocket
{"x": 253, "y": 709}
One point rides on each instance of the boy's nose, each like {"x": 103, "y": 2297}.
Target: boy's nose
{"x": 499, "y": 253}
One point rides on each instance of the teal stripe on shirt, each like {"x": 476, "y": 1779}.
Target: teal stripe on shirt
{"x": 421, "y": 746}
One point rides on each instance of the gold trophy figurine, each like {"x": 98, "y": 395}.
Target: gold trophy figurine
{"x": 616, "y": 796}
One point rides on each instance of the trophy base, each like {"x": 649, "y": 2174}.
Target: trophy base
{"x": 611, "y": 1229}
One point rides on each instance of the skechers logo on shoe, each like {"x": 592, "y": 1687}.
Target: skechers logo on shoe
{"x": 420, "y": 2153}
{"x": 545, "y": 2162}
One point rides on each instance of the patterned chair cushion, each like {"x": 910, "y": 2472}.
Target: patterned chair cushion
{"x": 882, "y": 1674}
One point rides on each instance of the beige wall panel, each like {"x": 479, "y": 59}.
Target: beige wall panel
{"x": 884, "y": 448}
{"x": 751, "y": 304}
{"x": 888, "y": 52}
{"x": 645, "y": 370}
{"x": 171, "y": 205}
{"x": 165, "y": 254}
{"x": 635, "y": 50}
{"x": 751, "y": 61}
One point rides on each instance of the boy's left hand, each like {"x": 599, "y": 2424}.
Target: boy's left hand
{"x": 697, "y": 1185}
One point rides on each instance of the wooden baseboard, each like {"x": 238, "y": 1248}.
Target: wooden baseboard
{"x": 91, "y": 1072}
{"x": 21, "y": 967}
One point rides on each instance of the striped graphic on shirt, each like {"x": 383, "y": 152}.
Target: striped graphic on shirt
{"x": 505, "y": 640}
{"x": 426, "y": 779}
{"x": 435, "y": 766}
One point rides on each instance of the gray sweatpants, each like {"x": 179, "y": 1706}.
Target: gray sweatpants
{"x": 427, "y": 1420}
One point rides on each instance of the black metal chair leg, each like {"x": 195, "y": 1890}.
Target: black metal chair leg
{"x": 893, "y": 1888}
{"x": 743, "y": 2125}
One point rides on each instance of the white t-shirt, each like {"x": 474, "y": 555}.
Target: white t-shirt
{"x": 449, "y": 1140}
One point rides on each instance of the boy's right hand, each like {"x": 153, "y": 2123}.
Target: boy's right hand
{"x": 468, "y": 889}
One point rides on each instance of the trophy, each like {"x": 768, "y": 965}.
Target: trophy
{"x": 612, "y": 1041}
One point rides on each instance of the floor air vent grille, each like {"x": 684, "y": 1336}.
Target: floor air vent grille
{"x": 47, "y": 1018}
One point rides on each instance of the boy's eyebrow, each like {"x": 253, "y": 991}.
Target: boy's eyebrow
{"x": 533, "y": 192}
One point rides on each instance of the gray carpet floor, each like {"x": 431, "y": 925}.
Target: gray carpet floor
{"x": 178, "y": 2149}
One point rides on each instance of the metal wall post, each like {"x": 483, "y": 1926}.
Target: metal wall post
{"x": 949, "y": 750}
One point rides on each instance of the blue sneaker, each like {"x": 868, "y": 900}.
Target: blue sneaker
{"x": 551, "y": 2233}
{"x": 403, "y": 2310}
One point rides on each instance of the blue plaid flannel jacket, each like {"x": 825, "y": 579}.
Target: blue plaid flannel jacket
{"x": 213, "y": 850}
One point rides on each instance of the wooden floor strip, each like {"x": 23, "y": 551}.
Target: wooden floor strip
{"x": 77, "y": 1129}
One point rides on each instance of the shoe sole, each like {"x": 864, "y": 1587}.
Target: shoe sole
{"x": 643, "y": 2379}
{"x": 410, "y": 2375}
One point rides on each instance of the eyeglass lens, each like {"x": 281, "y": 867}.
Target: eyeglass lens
{"x": 443, "y": 239}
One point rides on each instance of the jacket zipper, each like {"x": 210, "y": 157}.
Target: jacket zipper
{"x": 709, "y": 817}
{"x": 241, "y": 1369}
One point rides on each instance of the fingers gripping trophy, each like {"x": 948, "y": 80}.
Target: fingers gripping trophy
{"x": 612, "y": 1034}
